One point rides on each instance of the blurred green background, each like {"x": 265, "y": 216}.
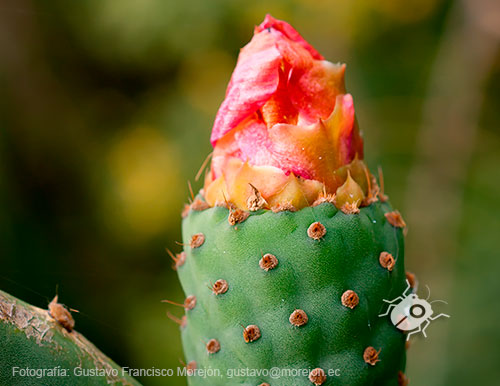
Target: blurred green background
{"x": 106, "y": 109}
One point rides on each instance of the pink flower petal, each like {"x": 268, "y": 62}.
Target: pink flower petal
{"x": 275, "y": 48}
{"x": 254, "y": 80}
{"x": 289, "y": 32}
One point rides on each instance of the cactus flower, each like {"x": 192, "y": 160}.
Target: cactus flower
{"x": 286, "y": 126}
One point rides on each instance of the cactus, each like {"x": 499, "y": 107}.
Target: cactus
{"x": 291, "y": 246}
{"x": 44, "y": 340}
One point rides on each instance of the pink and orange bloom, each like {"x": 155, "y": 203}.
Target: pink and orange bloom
{"x": 286, "y": 127}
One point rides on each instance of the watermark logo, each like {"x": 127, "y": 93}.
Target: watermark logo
{"x": 411, "y": 313}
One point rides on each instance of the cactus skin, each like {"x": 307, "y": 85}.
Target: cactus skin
{"x": 31, "y": 338}
{"x": 311, "y": 275}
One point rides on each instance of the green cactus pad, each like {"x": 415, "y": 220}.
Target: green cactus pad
{"x": 311, "y": 275}
{"x": 37, "y": 350}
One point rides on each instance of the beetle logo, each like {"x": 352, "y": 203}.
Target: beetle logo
{"x": 410, "y": 313}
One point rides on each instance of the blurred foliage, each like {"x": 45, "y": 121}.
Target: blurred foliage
{"x": 105, "y": 113}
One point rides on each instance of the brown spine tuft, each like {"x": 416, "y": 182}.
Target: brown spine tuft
{"x": 350, "y": 208}
{"x": 199, "y": 205}
{"x": 185, "y": 211}
{"x": 402, "y": 379}
{"x": 220, "y": 287}
{"x": 251, "y": 333}
{"x": 255, "y": 201}
{"x": 283, "y": 207}
{"x": 317, "y": 376}
{"x": 182, "y": 322}
{"x": 350, "y": 299}
{"x": 268, "y": 262}
{"x": 197, "y": 240}
{"x": 395, "y": 219}
{"x": 298, "y": 318}
{"x": 213, "y": 346}
{"x": 387, "y": 261}
{"x": 179, "y": 258}
{"x": 412, "y": 279}
{"x": 191, "y": 367}
{"x": 316, "y": 231}
{"x": 324, "y": 198}
{"x": 236, "y": 216}
{"x": 370, "y": 355}
{"x": 190, "y": 302}
{"x": 373, "y": 189}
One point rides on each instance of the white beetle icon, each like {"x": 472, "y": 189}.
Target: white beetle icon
{"x": 411, "y": 313}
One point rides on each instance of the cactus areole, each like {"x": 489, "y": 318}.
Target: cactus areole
{"x": 291, "y": 245}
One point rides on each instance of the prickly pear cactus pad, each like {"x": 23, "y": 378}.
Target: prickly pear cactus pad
{"x": 334, "y": 279}
{"x": 291, "y": 247}
{"x": 37, "y": 349}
